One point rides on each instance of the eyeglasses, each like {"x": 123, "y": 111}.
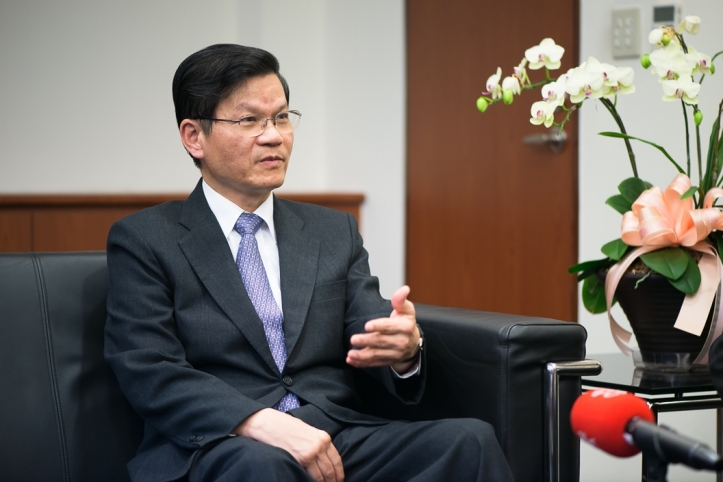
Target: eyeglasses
{"x": 255, "y": 124}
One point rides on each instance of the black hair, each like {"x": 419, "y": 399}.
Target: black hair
{"x": 209, "y": 76}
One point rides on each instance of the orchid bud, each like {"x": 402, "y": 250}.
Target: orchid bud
{"x": 645, "y": 61}
{"x": 507, "y": 96}
{"x": 712, "y": 68}
{"x": 482, "y": 104}
{"x": 665, "y": 40}
{"x": 698, "y": 117}
{"x": 690, "y": 24}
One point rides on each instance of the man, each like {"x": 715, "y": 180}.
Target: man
{"x": 235, "y": 318}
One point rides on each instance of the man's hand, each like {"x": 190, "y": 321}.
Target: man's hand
{"x": 388, "y": 341}
{"x": 311, "y": 447}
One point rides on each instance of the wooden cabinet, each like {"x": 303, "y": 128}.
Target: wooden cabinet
{"x": 82, "y": 222}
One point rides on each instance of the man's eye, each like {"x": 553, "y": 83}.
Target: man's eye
{"x": 251, "y": 119}
{"x": 283, "y": 117}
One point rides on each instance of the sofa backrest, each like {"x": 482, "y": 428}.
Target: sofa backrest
{"x": 62, "y": 415}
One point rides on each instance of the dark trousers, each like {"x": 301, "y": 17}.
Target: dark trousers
{"x": 445, "y": 450}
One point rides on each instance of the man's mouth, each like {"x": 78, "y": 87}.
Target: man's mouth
{"x": 272, "y": 159}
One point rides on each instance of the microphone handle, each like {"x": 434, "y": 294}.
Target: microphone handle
{"x": 672, "y": 447}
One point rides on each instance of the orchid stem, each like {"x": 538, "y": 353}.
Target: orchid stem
{"x": 569, "y": 111}
{"x": 716, "y": 144}
{"x": 611, "y": 107}
{"x": 700, "y": 162}
{"x": 687, "y": 137}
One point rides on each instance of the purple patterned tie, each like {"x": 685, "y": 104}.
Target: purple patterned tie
{"x": 253, "y": 274}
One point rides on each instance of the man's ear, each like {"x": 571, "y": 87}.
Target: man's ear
{"x": 192, "y": 137}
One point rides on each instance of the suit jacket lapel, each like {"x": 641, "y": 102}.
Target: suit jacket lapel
{"x": 299, "y": 259}
{"x": 207, "y": 252}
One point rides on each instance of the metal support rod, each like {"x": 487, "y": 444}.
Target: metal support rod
{"x": 719, "y": 438}
{"x": 678, "y": 404}
{"x": 553, "y": 372}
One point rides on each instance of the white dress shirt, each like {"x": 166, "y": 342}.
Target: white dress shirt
{"x": 227, "y": 213}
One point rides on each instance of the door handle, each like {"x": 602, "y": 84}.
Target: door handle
{"x": 555, "y": 140}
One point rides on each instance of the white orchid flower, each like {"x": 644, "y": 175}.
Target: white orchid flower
{"x": 493, "y": 87}
{"x": 547, "y": 54}
{"x": 554, "y": 92}
{"x": 655, "y": 36}
{"x": 672, "y": 62}
{"x": 543, "y": 113}
{"x": 702, "y": 61}
{"x": 690, "y": 24}
{"x": 618, "y": 80}
{"x": 512, "y": 83}
{"x": 585, "y": 81}
{"x": 683, "y": 88}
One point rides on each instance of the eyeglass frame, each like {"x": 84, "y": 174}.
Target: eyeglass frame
{"x": 263, "y": 127}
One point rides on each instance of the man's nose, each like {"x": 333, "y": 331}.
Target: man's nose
{"x": 271, "y": 133}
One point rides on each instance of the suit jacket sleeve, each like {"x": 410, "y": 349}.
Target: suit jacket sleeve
{"x": 142, "y": 345}
{"x": 363, "y": 292}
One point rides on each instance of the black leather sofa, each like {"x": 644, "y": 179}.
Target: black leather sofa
{"x": 63, "y": 417}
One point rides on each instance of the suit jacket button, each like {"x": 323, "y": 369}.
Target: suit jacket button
{"x": 287, "y": 380}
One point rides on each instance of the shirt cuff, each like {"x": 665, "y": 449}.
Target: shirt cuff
{"x": 413, "y": 370}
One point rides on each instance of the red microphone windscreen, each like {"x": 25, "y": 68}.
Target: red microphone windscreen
{"x": 599, "y": 417}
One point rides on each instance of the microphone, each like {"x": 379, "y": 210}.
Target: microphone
{"x": 622, "y": 424}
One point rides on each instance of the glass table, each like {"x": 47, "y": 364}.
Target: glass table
{"x": 664, "y": 391}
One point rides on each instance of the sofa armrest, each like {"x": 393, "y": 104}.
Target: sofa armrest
{"x": 491, "y": 366}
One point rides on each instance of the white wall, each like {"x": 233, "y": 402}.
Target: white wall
{"x": 603, "y": 163}
{"x": 85, "y": 103}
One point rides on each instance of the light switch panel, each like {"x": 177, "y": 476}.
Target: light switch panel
{"x": 626, "y": 32}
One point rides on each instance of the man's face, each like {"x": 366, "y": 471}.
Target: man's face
{"x": 246, "y": 169}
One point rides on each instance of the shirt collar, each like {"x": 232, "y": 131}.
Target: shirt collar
{"x": 227, "y": 213}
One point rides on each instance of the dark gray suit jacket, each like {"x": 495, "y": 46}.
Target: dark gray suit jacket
{"x": 189, "y": 350}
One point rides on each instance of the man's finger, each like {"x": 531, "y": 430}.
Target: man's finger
{"x": 379, "y": 339}
{"x": 336, "y": 462}
{"x": 326, "y": 467}
{"x": 400, "y": 303}
{"x": 372, "y": 357}
{"x": 390, "y": 326}
{"x": 313, "y": 470}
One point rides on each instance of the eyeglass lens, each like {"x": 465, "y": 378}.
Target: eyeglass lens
{"x": 254, "y": 125}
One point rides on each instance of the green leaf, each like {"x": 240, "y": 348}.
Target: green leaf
{"x": 690, "y": 281}
{"x": 632, "y": 188}
{"x": 593, "y": 295}
{"x": 585, "y": 265}
{"x": 670, "y": 262}
{"x": 661, "y": 149}
{"x": 615, "y": 250}
{"x": 719, "y": 241}
{"x": 619, "y": 203}
{"x": 589, "y": 268}
{"x": 689, "y": 192}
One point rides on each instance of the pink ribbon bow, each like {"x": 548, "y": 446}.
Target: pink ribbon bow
{"x": 661, "y": 219}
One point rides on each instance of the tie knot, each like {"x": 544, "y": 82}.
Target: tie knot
{"x": 248, "y": 223}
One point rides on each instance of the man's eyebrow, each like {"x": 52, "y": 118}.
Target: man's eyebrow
{"x": 247, "y": 107}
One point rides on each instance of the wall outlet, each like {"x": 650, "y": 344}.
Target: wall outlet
{"x": 626, "y": 32}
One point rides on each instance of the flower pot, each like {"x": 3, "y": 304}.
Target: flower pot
{"x": 652, "y": 310}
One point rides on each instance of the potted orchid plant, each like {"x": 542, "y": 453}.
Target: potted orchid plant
{"x": 673, "y": 232}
